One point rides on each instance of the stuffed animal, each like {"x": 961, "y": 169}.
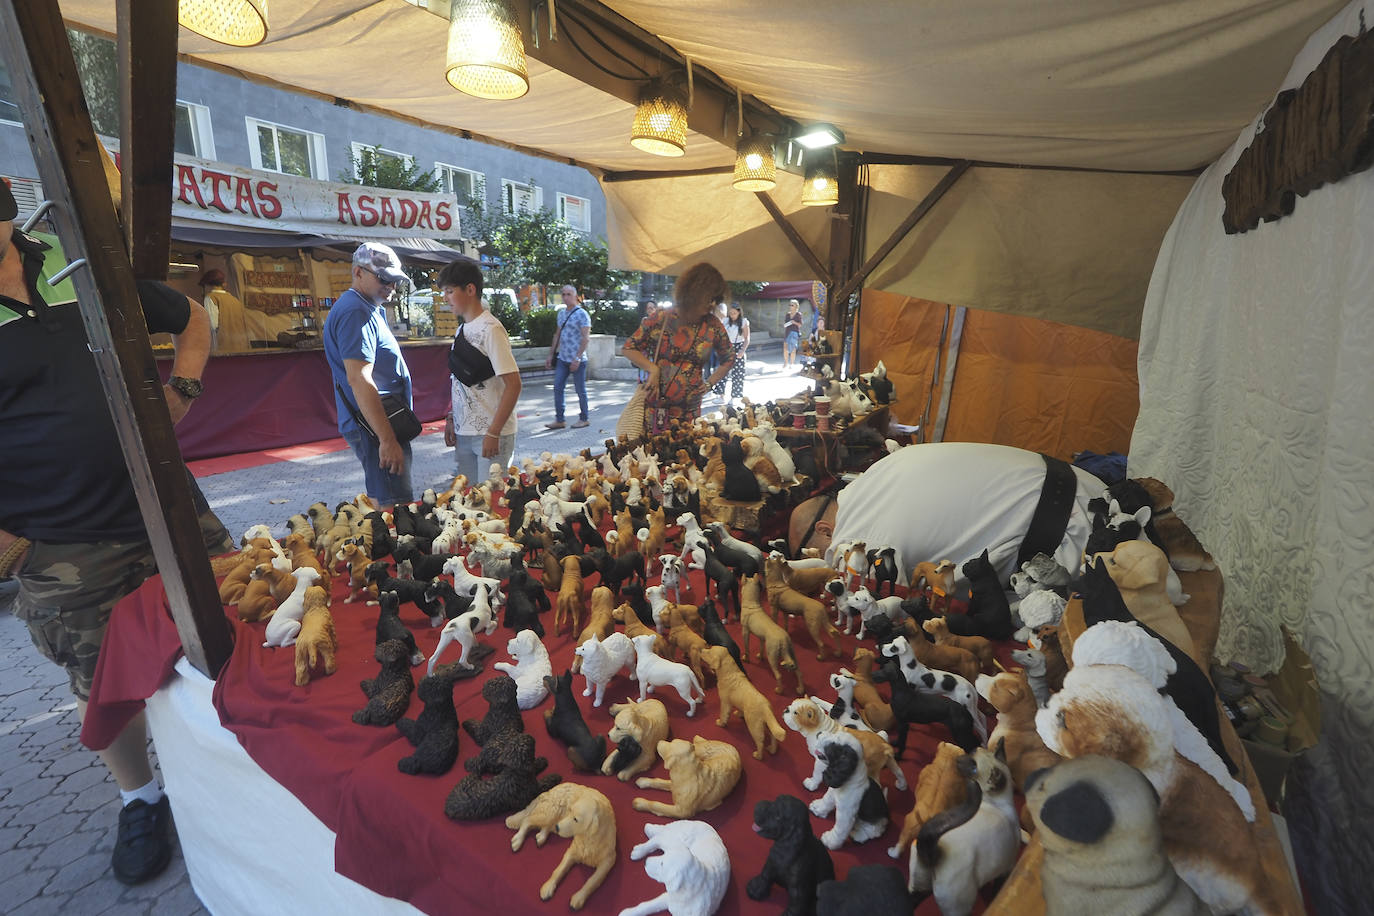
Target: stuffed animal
{"x": 939, "y": 787}
{"x": 645, "y": 724}
{"x": 1098, "y": 821}
{"x": 565, "y": 723}
{"x": 774, "y": 643}
{"x": 960, "y": 850}
{"x": 700, "y": 774}
{"x": 856, "y": 801}
{"x": 388, "y": 694}
{"x": 584, "y": 815}
{"x": 529, "y": 666}
{"x": 652, "y": 670}
{"x": 738, "y": 695}
{"x": 434, "y": 733}
{"x": 797, "y": 861}
{"x": 316, "y": 643}
{"x": 694, "y": 869}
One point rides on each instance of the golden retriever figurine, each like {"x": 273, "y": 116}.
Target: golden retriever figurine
{"x": 683, "y": 641}
{"x": 787, "y": 600}
{"x": 571, "y": 606}
{"x": 624, "y": 614}
{"x": 586, "y": 816}
{"x": 647, "y": 723}
{"x": 1140, "y": 571}
{"x": 316, "y": 643}
{"x": 939, "y": 787}
{"x": 700, "y": 774}
{"x": 714, "y": 471}
{"x": 600, "y": 623}
{"x": 738, "y": 695}
{"x": 774, "y": 643}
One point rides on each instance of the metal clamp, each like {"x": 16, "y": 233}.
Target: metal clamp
{"x": 67, "y": 271}
{"x": 37, "y": 214}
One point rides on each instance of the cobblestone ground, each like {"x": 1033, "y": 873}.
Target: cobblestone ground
{"x": 58, "y": 805}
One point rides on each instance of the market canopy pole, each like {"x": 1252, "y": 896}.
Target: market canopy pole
{"x": 147, "y": 54}
{"x": 794, "y": 237}
{"x": 845, "y": 222}
{"x": 34, "y": 43}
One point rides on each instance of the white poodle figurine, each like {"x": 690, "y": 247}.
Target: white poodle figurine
{"x": 286, "y": 622}
{"x": 463, "y": 629}
{"x": 848, "y": 780}
{"x": 603, "y": 659}
{"x": 694, "y": 869}
{"x": 529, "y": 670}
{"x": 653, "y": 670}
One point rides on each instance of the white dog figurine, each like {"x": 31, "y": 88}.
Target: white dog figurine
{"x": 653, "y": 670}
{"x": 672, "y": 575}
{"x": 463, "y": 629}
{"x": 530, "y": 668}
{"x": 286, "y": 622}
{"x": 694, "y": 869}
{"x": 603, "y": 659}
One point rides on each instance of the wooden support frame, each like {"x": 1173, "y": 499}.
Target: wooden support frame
{"x": 924, "y": 207}
{"x": 794, "y": 237}
{"x": 845, "y": 223}
{"x": 34, "y": 43}
{"x": 146, "y": 48}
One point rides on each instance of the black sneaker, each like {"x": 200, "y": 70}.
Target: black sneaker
{"x": 143, "y": 848}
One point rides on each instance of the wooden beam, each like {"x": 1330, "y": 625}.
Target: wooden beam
{"x": 945, "y": 183}
{"x": 649, "y": 175}
{"x": 147, "y": 53}
{"x": 794, "y": 237}
{"x": 844, "y": 255}
{"x": 33, "y": 42}
{"x": 870, "y": 158}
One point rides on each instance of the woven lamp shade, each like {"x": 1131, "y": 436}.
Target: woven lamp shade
{"x": 486, "y": 52}
{"x": 660, "y": 125}
{"x": 754, "y": 163}
{"x": 241, "y": 23}
{"x": 820, "y": 188}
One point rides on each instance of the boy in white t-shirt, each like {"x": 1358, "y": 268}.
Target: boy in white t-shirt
{"x": 481, "y": 422}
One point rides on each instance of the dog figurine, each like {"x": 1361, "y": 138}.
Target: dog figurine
{"x": 503, "y": 712}
{"x": 634, "y": 625}
{"x": 644, "y": 723}
{"x": 736, "y": 694}
{"x": 1098, "y": 821}
{"x": 388, "y": 694}
{"x": 434, "y": 733}
{"x": 882, "y": 565}
{"x": 565, "y": 723}
{"x": 1139, "y": 570}
{"x": 784, "y": 599}
{"x": 316, "y": 643}
{"x": 652, "y": 670}
{"x": 694, "y": 869}
{"x": 938, "y": 628}
{"x": 865, "y": 890}
{"x": 857, "y": 801}
{"x": 939, "y": 787}
{"x": 570, "y": 606}
{"x": 683, "y": 641}
{"x": 600, "y": 623}
{"x": 931, "y": 680}
{"x": 1032, "y": 661}
{"x": 603, "y": 659}
{"x": 286, "y": 622}
{"x": 774, "y": 643}
{"x": 700, "y": 774}
{"x": 502, "y": 778}
{"x": 464, "y": 628}
{"x": 808, "y": 718}
{"x": 797, "y": 861}
{"x": 529, "y": 666}
{"x": 1015, "y": 735}
{"x": 960, "y": 850}
{"x": 584, "y": 815}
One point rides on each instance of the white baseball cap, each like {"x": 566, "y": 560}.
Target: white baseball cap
{"x": 380, "y": 260}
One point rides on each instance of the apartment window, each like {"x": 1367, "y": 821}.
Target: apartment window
{"x": 278, "y": 148}
{"x": 460, "y": 182}
{"x": 520, "y": 197}
{"x": 575, "y": 211}
{"x": 193, "y": 134}
{"x": 9, "y": 107}
{"x": 380, "y": 159}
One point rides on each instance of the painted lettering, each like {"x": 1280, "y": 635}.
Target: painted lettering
{"x": 346, "y": 216}
{"x": 188, "y": 186}
{"x": 267, "y": 196}
{"x": 368, "y": 210}
{"x": 243, "y": 197}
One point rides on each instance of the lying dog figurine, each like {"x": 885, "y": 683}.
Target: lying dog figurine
{"x": 694, "y": 869}
{"x": 700, "y": 774}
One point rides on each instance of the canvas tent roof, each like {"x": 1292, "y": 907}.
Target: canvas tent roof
{"x": 1145, "y": 86}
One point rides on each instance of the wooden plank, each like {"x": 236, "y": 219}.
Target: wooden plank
{"x": 794, "y": 237}
{"x": 930, "y": 200}
{"x": 146, "y": 50}
{"x": 33, "y": 42}
{"x": 844, "y": 251}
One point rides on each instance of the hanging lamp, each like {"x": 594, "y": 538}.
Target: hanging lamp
{"x": 486, "y": 52}
{"x": 660, "y": 125}
{"x": 241, "y": 23}
{"x": 755, "y": 164}
{"x": 821, "y": 184}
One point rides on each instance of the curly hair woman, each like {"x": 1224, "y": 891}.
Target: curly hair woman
{"x": 682, "y": 337}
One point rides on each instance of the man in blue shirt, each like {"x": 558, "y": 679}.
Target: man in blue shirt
{"x": 365, "y": 363}
{"x": 568, "y": 356}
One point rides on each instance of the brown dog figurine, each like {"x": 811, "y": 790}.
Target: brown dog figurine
{"x": 939, "y": 787}
{"x": 774, "y": 643}
{"x": 938, "y": 628}
{"x": 875, "y": 711}
{"x": 571, "y": 605}
{"x": 647, "y": 724}
{"x": 700, "y": 774}
{"x": 1010, "y": 694}
{"x": 684, "y": 642}
{"x": 786, "y": 600}
{"x": 738, "y": 695}
{"x": 316, "y": 643}
{"x": 600, "y": 623}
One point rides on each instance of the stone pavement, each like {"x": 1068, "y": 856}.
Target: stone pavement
{"x": 58, "y": 805}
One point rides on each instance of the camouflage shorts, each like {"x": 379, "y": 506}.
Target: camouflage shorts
{"x": 66, "y": 593}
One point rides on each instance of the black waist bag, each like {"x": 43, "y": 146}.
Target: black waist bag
{"x": 469, "y": 365}
{"x": 403, "y": 421}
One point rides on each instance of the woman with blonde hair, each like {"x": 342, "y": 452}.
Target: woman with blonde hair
{"x": 673, "y": 345}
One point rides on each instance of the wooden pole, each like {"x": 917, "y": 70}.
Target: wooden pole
{"x": 844, "y": 248}
{"x": 147, "y": 54}
{"x": 794, "y": 237}
{"x": 33, "y": 42}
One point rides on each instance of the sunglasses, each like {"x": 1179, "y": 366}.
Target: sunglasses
{"x": 380, "y": 279}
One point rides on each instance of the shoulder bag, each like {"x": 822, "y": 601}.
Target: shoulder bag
{"x": 631, "y": 422}
{"x": 404, "y": 423}
{"x": 469, "y": 365}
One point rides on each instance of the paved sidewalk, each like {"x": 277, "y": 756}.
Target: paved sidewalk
{"x": 58, "y": 806}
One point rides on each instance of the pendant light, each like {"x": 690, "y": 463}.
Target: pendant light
{"x": 660, "y": 125}
{"x": 821, "y": 185}
{"x": 241, "y": 23}
{"x": 486, "y": 52}
{"x": 755, "y": 165}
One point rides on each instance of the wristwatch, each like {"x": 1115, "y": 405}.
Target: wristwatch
{"x": 189, "y": 388}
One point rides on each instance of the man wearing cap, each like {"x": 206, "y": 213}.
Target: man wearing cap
{"x": 365, "y": 363}
{"x": 71, "y": 534}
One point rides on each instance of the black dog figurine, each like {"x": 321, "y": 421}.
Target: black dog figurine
{"x": 441, "y": 592}
{"x": 565, "y": 723}
{"x": 988, "y": 609}
{"x": 740, "y": 483}
{"x": 634, "y": 597}
{"x": 434, "y": 733}
{"x": 882, "y": 565}
{"x": 503, "y": 712}
{"x": 716, "y": 634}
{"x": 727, "y": 583}
{"x": 509, "y": 762}
{"x": 910, "y": 705}
{"x": 798, "y": 861}
{"x": 615, "y": 570}
{"x": 388, "y": 694}
{"x": 389, "y": 625}
{"x": 867, "y": 890}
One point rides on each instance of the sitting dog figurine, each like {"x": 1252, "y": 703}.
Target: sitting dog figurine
{"x": 694, "y": 869}
{"x": 434, "y": 733}
{"x": 503, "y": 712}
{"x": 857, "y": 802}
{"x": 530, "y": 666}
{"x": 502, "y": 778}
{"x": 1015, "y": 735}
{"x": 565, "y": 723}
{"x": 960, "y": 850}
{"x": 1098, "y": 820}
{"x": 388, "y": 694}
{"x": 286, "y": 622}
{"x": 646, "y": 724}
{"x": 939, "y": 787}
{"x": 866, "y": 890}
{"x": 584, "y": 815}
{"x": 316, "y": 643}
{"x": 798, "y": 861}
{"x": 700, "y": 774}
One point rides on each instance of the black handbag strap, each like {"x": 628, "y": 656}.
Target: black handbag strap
{"x": 356, "y": 413}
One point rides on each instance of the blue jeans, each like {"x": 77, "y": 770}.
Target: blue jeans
{"x": 560, "y": 381}
{"x": 467, "y": 457}
{"x": 383, "y": 486}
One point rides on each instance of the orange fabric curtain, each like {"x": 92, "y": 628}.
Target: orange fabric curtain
{"x": 1020, "y": 381}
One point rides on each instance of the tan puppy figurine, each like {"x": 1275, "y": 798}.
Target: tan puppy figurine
{"x": 571, "y": 606}
{"x": 765, "y": 471}
{"x": 624, "y": 535}
{"x": 601, "y": 622}
{"x": 257, "y": 602}
{"x": 1098, "y": 821}
{"x": 939, "y": 787}
{"x": 786, "y": 600}
{"x": 738, "y": 695}
{"x": 278, "y": 577}
{"x": 875, "y": 711}
{"x": 1140, "y": 571}
{"x": 774, "y": 643}
{"x": 944, "y": 657}
{"x": 316, "y": 643}
{"x": 647, "y": 723}
{"x": 938, "y": 628}
{"x": 684, "y": 643}
{"x": 357, "y": 560}
{"x": 700, "y": 774}
{"x": 1010, "y": 694}
{"x": 584, "y": 815}
{"x": 298, "y": 548}
{"x": 236, "y": 582}
{"x": 714, "y": 472}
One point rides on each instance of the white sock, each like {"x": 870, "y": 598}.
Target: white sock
{"x": 149, "y": 794}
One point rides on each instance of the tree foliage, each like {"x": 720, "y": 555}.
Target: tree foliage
{"x": 376, "y": 169}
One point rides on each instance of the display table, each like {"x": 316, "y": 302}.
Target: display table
{"x": 274, "y": 398}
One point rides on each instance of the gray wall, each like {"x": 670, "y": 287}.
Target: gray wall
{"x": 231, "y": 100}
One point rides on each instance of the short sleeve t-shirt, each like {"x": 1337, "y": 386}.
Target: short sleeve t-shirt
{"x": 357, "y": 329}
{"x": 570, "y": 335}
{"x": 474, "y": 407}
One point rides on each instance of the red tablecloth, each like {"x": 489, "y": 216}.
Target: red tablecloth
{"x": 392, "y": 835}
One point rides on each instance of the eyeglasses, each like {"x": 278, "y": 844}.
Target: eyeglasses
{"x": 380, "y": 279}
